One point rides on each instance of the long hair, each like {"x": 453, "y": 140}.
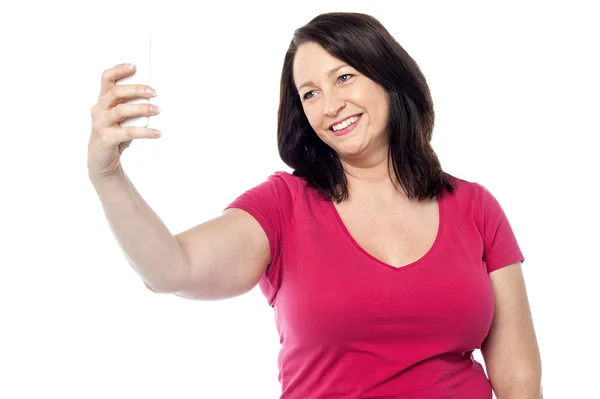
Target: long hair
{"x": 362, "y": 42}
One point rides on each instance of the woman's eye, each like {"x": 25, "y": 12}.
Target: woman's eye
{"x": 345, "y": 77}
{"x": 307, "y": 96}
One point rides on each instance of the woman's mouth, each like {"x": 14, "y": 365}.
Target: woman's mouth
{"x": 345, "y": 126}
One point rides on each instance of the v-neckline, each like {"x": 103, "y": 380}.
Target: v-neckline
{"x": 440, "y": 205}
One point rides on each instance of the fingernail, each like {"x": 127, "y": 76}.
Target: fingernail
{"x": 129, "y": 66}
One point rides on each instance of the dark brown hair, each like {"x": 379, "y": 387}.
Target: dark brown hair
{"x": 362, "y": 42}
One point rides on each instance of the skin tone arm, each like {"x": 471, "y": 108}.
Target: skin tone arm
{"x": 511, "y": 351}
{"x": 220, "y": 258}
{"x": 146, "y": 242}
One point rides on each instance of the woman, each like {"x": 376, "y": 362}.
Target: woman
{"x": 385, "y": 273}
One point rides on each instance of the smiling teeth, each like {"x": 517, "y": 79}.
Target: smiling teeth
{"x": 345, "y": 123}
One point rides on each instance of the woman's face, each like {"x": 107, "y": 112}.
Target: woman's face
{"x": 347, "y": 110}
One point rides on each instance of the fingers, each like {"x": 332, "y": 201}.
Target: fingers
{"x": 112, "y": 107}
{"x": 125, "y": 111}
{"x": 113, "y": 136}
{"x": 119, "y": 93}
{"x": 110, "y": 76}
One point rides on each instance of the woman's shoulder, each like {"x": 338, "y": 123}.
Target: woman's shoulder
{"x": 279, "y": 188}
{"x": 288, "y": 177}
{"x": 294, "y": 184}
{"x": 463, "y": 186}
{"x": 466, "y": 191}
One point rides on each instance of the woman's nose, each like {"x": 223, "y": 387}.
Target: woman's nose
{"x": 333, "y": 104}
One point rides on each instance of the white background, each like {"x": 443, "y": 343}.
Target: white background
{"x": 515, "y": 88}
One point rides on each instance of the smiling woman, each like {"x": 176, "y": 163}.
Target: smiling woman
{"x": 385, "y": 272}
{"x": 337, "y": 99}
{"x": 344, "y": 65}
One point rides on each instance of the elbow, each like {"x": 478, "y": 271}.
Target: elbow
{"x": 167, "y": 284}
{"x": 172, "y": 279}
{"x": 158, "y": 289}
{"x": 162, "y": 288}
{"x": 523, "y": 386}
{"x": 150, "y": 287}
{"x": 514, "y": 376}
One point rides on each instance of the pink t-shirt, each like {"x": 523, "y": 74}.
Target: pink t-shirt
{"x": 351, "y": 326}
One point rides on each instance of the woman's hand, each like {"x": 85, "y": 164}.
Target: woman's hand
{"x": 108, "y": 139}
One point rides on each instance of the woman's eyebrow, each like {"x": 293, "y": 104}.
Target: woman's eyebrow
{"x": 331, "y": 72}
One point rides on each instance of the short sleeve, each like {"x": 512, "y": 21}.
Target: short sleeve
{"x": 500, "y": 246}
{"x": 270, "y": 203}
